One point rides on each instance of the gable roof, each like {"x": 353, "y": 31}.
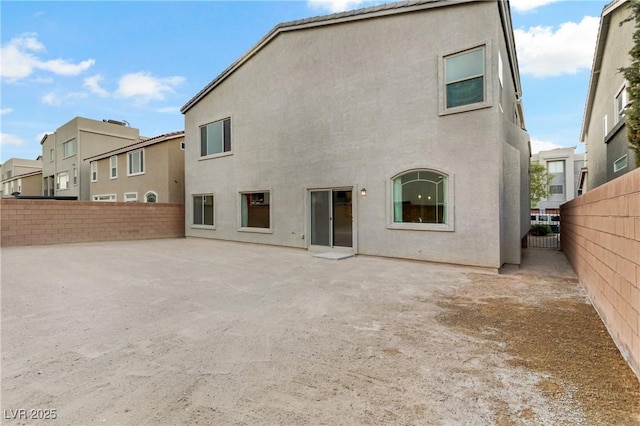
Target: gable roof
{"x": 603, "y": 33}
{"x": 356, "y": 15}
{"x": 141, "y": 144}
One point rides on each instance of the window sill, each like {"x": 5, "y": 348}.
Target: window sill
{"x": 135, "y": 174}
{"x": 112, "y": 178}
{"x": 421, "y": 227}
{"x": 68, "y": 156}
{"x": 256, "y": 230}
{"x": 211, "y": 156}
{"x": 208, "y": 227}
{"x": 465, "y": 108}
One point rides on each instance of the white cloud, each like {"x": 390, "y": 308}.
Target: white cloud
{"x": 538, "y": 145}
{"x": 523, "y": 6}
{"x": 51, "y": 99}
{"x": 93, "y": 84}
{"x": 340, "y": 5}
{"x": 169, "y": 110}
{"x": 549, "y": 52}
{"x": 18, "y": 58}
{"x": 7, "y": 139}
{"x": 145, "y": 87}
{"x": 4, "y": 111}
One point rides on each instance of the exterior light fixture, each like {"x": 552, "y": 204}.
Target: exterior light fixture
{"x": 363, "y": 192}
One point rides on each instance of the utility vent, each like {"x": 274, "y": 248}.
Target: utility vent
{"x": 118, "y": 122}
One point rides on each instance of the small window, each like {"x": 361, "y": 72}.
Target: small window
{"x": 68, "y": 148}
{"x": 464, "y": 78}
{"x": 113, "y": 165}
{"x": 620, "y": 163}
{"x": 420, "y": 196}
{"x": 182, "y": 145}
{"x": 556, "y": 189}
{"x": 621, "y": 103}
{"x": 9, "y": 174}
{"x": 94, "y": 171}
{"x": 62, "y": 180}
{"x": 107, "y": 197}
{"x": 75, "y": 176}
{"x": 130, "y": 197}
{"x": 255, "y": 210}
{"x": 150, "y": 197}
{"x": 555, "y": 166}
{"x": 543, "y": 218}
{"x": 203, "y": 209}
{"x": 135, "y": 162}
{"x": 215, "y": 138}
{"x": 533, "y": 217}
{"x": 51, "y": 157}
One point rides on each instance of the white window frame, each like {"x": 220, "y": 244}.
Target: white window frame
{"x": 182, "y": 146}
{"x": 241, "y": 228}
{"x": 51, "y": 155}
{"x": 623, "y": 96}
{"x": 58, "y": 180}
{"x": 605, "y": 126}
{"x": 150, "y": 193}
{"x": 142, "y": 161}
{"x": 222, "y": 153}
{"x": 69, "y": 143}
{"x": 94, "y": 171}
{"x": 487, "y": 80}
{"x": 445, "y": 227}
{"x": 202, "y": 225}
{"x": 75, "y": 176}
{"x": 105, "y": 198}
{"x": 556, "y": 193}
{"x": 113, "y": 167}
{"x": 616, "y": 167}
{"x": 130, "y": 197}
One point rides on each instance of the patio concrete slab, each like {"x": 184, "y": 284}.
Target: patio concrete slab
{"x": 192, "y": 331}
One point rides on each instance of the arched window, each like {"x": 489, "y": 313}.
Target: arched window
{"x": 150, "y": 197}
{"x": 420, "y": 196}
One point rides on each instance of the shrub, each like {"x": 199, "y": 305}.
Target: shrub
{"x": 540, "y": 229}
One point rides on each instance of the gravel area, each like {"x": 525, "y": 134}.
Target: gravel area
{"x": 191, "y": 331}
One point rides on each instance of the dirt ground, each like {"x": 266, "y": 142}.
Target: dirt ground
{"x": 192, "y": 331}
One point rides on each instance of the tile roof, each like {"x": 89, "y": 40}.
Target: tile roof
{"x": 140, "y": 144}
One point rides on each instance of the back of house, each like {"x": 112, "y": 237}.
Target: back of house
{"x": 393, "y": 131}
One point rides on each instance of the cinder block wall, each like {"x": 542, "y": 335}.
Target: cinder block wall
{"x": 600, "y": 233}
{"x": 32, "y": 222}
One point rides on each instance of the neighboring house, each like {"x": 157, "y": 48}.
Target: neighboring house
{"x": 393, "y": 131}
{"x": 150, "y": 171}
{"x": 64, "y": 173}
{"x": 23, "y": 176}
{"x": 603, "y": 129}
{"x": 564, "y": 165}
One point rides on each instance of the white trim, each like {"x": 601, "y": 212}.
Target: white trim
{"x": 75, "y": 151}
{"x": 111, "y": 167}
{"x": 135, "y": 194}
{"x": 142, "y": 162}
{"x": 94, "y": 173}
{"x": 146, "y": 194}
{"x": 223, "y": 152}
{"x": 201, "y": 225}
{"x": 605, "y": 126}
{"x": 625, "y": 101}
{"x": 626, "y": 163}
{"x": 95, "y": 198}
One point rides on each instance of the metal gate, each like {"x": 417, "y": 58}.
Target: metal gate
{"x": 544, "y": 232}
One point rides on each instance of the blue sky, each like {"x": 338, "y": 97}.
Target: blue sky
{"x": 141, "y": 61}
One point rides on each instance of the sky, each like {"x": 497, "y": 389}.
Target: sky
{"x": 142, "y": 61}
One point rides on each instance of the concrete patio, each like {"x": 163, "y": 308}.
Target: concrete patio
{"x": 190, "y": 331}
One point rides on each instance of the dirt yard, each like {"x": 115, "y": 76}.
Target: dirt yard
{"x": 192, "y": 331}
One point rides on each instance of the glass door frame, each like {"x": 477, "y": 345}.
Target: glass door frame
{"x": 308, "y": 209}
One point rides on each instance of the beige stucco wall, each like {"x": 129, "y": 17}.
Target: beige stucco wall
{"x": 163, "y": 174}
{"x": 610, "y": 80}
{"x": 91, "y": 137}
{"x": 353, "y": 105}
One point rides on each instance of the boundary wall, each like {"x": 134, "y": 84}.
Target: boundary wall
{"x": 600, "y": 233}
{"x": 35, "y": 222}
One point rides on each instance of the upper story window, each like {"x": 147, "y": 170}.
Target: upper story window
{"x": 420, "y": 196}
{"x": 555, "y": 166}
{"x": 620, "y": 163}
{"x": 69, "y": 148}
{"x": 215, "y": 138}
{"x": 621, "y": 102}
{"x": 75, "y": 175}
{"x": 113, "y": 166}
{"x": 94, "y": 171}
{"x": 464, "y": 78}
{"x": 51, "y": 155}
{"x": 135, "y": 162}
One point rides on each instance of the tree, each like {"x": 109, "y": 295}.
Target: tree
{"x": 632, "y": 75}
{"x": 539, "y": 183}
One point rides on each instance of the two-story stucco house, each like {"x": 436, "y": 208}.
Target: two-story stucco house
{"x": 564, "y": 165}
{"x": 603, "y": 128}
{"x": 392, "y": 131}
{"x": 63, "y": 171}
{"x": 22, "y": 175}
{"x": 150, "y": 171}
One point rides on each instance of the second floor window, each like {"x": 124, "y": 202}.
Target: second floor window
{"x": 621, "y": 103}
{"x": 94, "y": 171}
{"x": 113, "y": 163}
{"x": 136, "y": 162}
{"x": 464, "y": 78}
{"x": 69, "y": 148}
{"x": 215, "y": 138}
